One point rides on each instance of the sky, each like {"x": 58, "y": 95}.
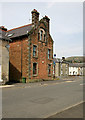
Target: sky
{"x": 66, "y": 22}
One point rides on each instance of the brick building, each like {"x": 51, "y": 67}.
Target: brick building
{"x": 31, "y": 50}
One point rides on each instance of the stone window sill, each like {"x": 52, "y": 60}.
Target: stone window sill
{"x": 49, "y": 75}
{"x": 34, "y": 75}
{"x": 50, "y": 59}
{"x": 35, "y": 57}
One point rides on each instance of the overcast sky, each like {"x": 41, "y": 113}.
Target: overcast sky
{"x": 66, "y": 22}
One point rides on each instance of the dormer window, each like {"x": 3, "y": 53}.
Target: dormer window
{"x": 41, "y": 35}
{"x": 44, "y": 37}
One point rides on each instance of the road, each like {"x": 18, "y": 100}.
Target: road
{"x": 41, "y": 101}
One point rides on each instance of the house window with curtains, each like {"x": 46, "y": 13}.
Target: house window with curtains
{"x": 34, "y": 51}
{"x": 38, "y": 36}
{"x": 34, "y": 68}
{"x": 41, "y": 35}
{"x": 44, "y": 38}
{"x": 49, "y": 53}
{"x": 49, "y": 69}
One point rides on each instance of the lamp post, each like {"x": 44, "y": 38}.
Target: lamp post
{"x": 54, "y": 64}
{"x": 7, "y": 46}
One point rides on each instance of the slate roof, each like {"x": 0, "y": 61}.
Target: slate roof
{"x": 20, "y": 31}
{"x": 3, "y": 35}
{"x": 58, "y": 60}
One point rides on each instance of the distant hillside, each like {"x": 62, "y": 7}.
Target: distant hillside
{"x": 75, "y": 59}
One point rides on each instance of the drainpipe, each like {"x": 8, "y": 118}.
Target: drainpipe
{"x": 29, "y": 55}
{"x": 59, "y": 68}
{"x": 21, "y": 59}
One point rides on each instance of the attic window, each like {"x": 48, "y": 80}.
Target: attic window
{"x": 44, "y": 37}
{"x": 41, "y": 35}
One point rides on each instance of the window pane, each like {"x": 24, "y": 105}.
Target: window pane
{"x": 41, "y": 34}
{"x": 34, "y": 68}
{"x": 49, "y": 69}
{"x": 44, "y": 37}
{"x": 34, "y": 50}
{"x": 38, "y": 36}
{"x": 49, "y": 53}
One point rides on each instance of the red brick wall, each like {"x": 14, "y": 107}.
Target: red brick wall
{"x": 19, "y": 57}
{"x": 18, "y": 50}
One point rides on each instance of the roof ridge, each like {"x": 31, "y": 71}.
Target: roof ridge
{"x": 18, "y": 27}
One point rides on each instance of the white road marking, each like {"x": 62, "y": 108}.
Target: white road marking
{"x": 69, "y": 81}
{"x": 5, "y": 86}
{"x": 82, "y": 84}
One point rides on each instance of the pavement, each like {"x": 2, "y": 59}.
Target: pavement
{"x": 43, "y": 83}
{"x": 76, "y": 111}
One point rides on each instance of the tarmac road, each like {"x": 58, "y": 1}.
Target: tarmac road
{"x": 40, "y": 101}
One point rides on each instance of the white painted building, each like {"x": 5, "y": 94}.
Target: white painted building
{"x": 76, "y": 68}
{"x": 0, "y": 74}
{"x": 4, "y": 56}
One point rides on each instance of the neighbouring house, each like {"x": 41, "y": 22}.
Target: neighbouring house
{"x": 75, "y": 59}
{"x": 31, "y": 50}
{"x": 4, "y": 56}
{"x": 76, "y": 68}
{"x": 61, "y": 67}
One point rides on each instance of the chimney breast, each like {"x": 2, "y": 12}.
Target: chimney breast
{"x": 35, "y": 17}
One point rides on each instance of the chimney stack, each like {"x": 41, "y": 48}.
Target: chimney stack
{"x": 63, "y": 58}
{"x": 35, "y": 17}
{"x": 3, "y": 28}
{"x": 46, "y": 19}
